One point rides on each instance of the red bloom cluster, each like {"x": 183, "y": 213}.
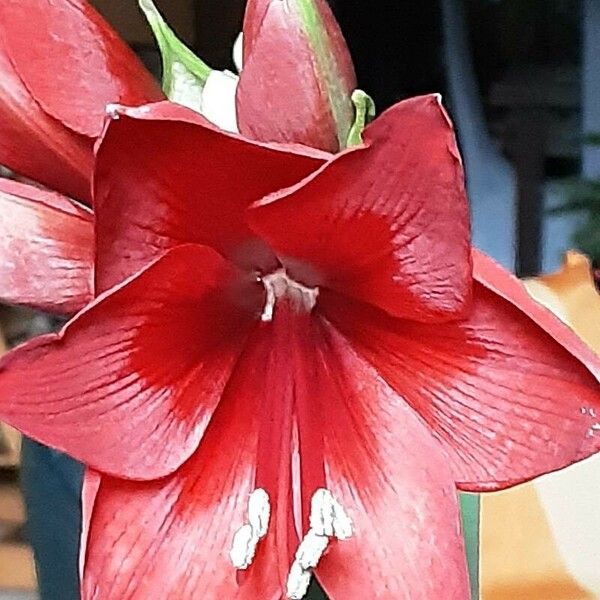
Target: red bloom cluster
{"x": 266, "y": 318}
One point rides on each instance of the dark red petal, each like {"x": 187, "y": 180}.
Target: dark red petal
{"x": 509, "y": 398}
{"x": 280, "y": 97}
{"x": 387, "y": 223}
{"x": 72, "y": 62}
{"x": 171, "y": 538}
{"x": 392, "y": 477}
{"x": 160, "y": 182}
{"x": 36, "y": 145}
{"x": 130, "y": 384}
{"x": 46, "y": 249}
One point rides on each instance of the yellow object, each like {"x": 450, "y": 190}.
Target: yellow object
{"x": 541, "y": 541}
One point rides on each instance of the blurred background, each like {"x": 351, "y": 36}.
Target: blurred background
{"x": 522, "y": 81}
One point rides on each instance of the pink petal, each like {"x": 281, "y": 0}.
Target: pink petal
{"x": 163, "y": 180}
{"x": 509, "y": 398}
{"x": 35, "y": 144}
{"x": 171, "y": 538}
{"x": 46, "y": 249}
{"x": 386, "y": 223}
{"x": 387, "y": 471}
{"x": 282, "y": 96}
{"x": 129, "y": 385}
{"x": 72, "y": 62}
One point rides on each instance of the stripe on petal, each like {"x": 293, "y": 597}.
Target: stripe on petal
{"x": 506, "y": 390}
{"x": 171, "y": 538}
{"x": 387, "y": 471}
{"x": 46, "y": 249}
{"x": 386, "y": 223}
{"x": 130, "y": 384}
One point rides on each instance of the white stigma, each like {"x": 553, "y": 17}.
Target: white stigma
{"x": 243, "y": 547}
{"x": 246, "y": 538}
{"x": 259, "y": 512}
{"x": 280, "y": 285}
{"x": 328, "y": 519}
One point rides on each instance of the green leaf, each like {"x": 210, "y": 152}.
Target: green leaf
{"x": 365, "y": 113}
{"x": 470, "y": 510}
{"x": 184, "y": 74}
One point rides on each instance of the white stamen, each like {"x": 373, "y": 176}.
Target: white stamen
{"x": 297, "y": 582}
{"x": 583, "y": 410}
{"x": 596, "y": 427}
{"x": 322, "y": 512}
{"x": 259, "y": 512}
{"x": 342, "y": 523}
{"x": 328, "y": 517}
{"x": 592, "y": 412}
{"x": 311, "y": 549}
{"x": 243, "y": 547}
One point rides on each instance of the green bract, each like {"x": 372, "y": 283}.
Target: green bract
{"x": 184, "y": 74}
{"x": 365, "y": 113}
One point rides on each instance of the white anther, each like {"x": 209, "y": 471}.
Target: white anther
{"x": 342, "y": 523}
{"x": 328, "y": 517}
{"x": 297, "y": 582}
{"x": 259, "y": 512}
{"x": 311, "y": 549}
{"x": 596, "y": 427}
{"x": 592, "y": 412}
{"x": 583, "y": 410}
{"x": 243, "y": 547}
{"x": 322, "y": 512}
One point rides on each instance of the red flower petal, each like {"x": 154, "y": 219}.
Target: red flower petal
{"x": 391, "y": 476}
{"x": 509, "y": 400}
{"x": 46, "y": 249}
{"x": 161, "y": 182}
{"x": 72, "y": 62}
{"x": 171, "y": 538}
{"x": 283, "y": 93}
{"x": 388, "y": 223}
{"x": 35, "y": 144}
{"x": 130, "y": 384}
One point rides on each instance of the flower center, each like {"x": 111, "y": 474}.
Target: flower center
{"x": 281, "y": 287}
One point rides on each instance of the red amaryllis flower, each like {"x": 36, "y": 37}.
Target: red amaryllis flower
{"x": 60, "y": 65}
{"x": 300, "y": 46}
{"x": 271, "y": 385}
